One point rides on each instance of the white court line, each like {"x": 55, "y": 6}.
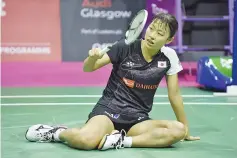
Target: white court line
{"x": 10, "y": 127}
{"x": 155, "y": 103}
{"x": 19, "y": 114}
{"x": 66, "y": 123}
{"x": 95, "y": 96}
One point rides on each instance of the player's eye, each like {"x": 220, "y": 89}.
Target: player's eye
{"x": 160, "y": 34}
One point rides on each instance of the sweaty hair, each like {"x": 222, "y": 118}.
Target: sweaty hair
{"x": 169, "y": 20}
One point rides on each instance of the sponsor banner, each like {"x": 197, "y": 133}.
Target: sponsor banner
{"x": 30, "y": 30}
{"x": 155, "y": 6}
{"x": 90, "y": 24}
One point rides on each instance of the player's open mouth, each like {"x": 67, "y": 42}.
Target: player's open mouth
{"x": 149, "y": 42}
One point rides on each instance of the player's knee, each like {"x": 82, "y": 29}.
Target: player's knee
{"x": 179, "y": 130}
{"x": 176, "y": 125}
{"x": 84, "y": 141}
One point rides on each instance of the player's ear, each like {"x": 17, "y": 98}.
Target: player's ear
{"x": 169, "y": 40}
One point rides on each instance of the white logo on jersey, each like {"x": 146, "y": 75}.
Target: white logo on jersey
{"x": 139, "y": 118}
{"x": 129, "y": 63}
{"x": 115, "y": 116}
{"x": 162, "y": 64}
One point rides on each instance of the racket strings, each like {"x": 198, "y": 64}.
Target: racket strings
{"x": 130, "y": 29}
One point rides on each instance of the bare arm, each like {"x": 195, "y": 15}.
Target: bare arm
{"x": 176, "y": 101}
{"x": 95, "y": 61}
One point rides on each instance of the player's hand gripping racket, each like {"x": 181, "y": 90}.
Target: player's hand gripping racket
{"x": 134, "y": 30}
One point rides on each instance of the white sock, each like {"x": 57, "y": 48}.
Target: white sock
{"x": 56, "y": 134}
{"x": 127, "y": 142}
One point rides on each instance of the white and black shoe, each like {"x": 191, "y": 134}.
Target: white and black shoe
{"x": 42, "y": 133}
{"x": 112, "y": 141}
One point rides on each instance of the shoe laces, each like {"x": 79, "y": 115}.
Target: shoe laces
{"x": 48, "y": 136}
{"x": 119, "y": 144}
{"x": 45, "y": 137}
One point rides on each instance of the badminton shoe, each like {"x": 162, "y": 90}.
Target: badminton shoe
{"x": 42, "y": 133}
{"x": 112, "y": 141}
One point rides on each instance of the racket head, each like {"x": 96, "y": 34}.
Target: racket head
{"x": 136, "y": 26}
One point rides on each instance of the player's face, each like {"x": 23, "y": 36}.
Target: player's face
{"x": 157, "y": 35}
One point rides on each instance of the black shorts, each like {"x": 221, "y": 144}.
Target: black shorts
{"x": 120, "y": 121}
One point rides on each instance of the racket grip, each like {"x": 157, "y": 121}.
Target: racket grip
{"x": 105, "y": 50}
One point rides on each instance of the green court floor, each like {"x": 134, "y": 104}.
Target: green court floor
{"x": 214, "y": 119}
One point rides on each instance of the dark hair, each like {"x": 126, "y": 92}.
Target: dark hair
{"x": 168, "y": 19}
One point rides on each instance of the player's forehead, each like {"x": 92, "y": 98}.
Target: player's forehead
{"x": 160, "y": 26}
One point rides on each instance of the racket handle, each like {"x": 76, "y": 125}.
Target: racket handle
{"x": 105, "y": 50}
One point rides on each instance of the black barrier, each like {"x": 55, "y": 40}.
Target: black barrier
{"x": 94, "y": 23}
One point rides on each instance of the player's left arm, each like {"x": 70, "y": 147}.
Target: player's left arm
{"x": 174, "y": 93}
{"x": 176, "y": 102}
{"x": 175, "y": 98}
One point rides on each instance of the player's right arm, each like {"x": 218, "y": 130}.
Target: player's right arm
{"x": 117, "y": 52}
{"x": 95, "y": 60}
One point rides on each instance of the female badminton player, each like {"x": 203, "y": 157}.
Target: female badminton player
{"x": 121, "y": 116}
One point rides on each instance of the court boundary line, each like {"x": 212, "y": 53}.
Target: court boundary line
{"x": 85, "y": 104}
{"x": 97, "y": 96}
{"x": 64, "y": 123}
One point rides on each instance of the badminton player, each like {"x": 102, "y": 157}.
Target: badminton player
{"x": 120, "y": 118}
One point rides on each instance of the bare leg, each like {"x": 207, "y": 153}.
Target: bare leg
{"x": 89, "y": 136}
{"x": 156, "y": 133}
